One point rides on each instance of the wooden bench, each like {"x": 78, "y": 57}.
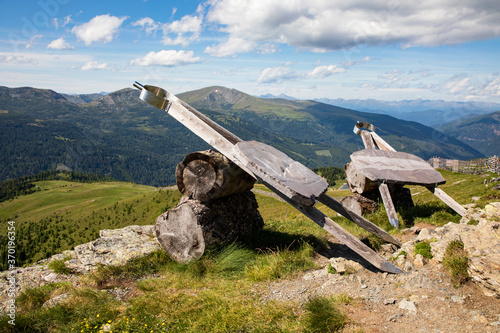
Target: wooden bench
{"x": 292, "y": 181}
{"x": 382, "y": 164}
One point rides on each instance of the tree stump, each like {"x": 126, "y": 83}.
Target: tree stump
{"x": 358, "y": 183}
{"x": 209, "y": 175}
{"x": 187, "y": 230}
{"x": 359, "y": 204}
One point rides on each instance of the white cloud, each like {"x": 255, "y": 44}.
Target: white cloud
{"x": 231, "y": 47}
{"x": 147, "y": 24}
{"x": 91, "y": 65}
{"x": 102, "y": 28}
{"x": 17, "y": 59}
{"x": 59, "y": 44}
{"x": 465, "y": 86}
{"x": 336, "y": 24}
{"x": 168, "y": 58}
{"x": 185, "y": 30}
{"x": 32, "y": 41}
{"x": 322, "y": 72}
{"x": 277, "y": 75}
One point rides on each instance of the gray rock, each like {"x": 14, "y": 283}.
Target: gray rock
{"x": 395, "y": 317}
{"x": 56, "y": 300}
{"x": 408, "y": 305}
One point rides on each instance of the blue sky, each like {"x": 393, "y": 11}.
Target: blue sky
{"x": 387, "y": 50}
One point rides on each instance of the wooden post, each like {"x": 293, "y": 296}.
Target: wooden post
{"x": 389, "y": 205}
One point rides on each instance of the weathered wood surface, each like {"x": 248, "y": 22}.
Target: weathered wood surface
{"x": 209, "y": 175}
{"x": 368, "y": 140}
{"x": 395, "y": 167}
{"x": 185, "y": 231}
{"x": 301, "y": 196}
{"x": 381, "y": 144}
{"x": 389, "y": 205}
{"x": 358, "y": 182}
{"x": 359, "y": 204}
{"x": 447, "y": 200}
{"x": 289, "y": 177}
{"x": 357, "y": 218}
{"x": 343, "y": 236}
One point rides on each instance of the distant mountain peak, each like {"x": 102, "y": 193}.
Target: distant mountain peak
{"x": 282, "y": 96}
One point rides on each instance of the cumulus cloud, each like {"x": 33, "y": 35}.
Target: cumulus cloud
{"x": 167, "y": 58}
{"x": 102, "y": 28}
{"x": 277, "y": 75}
{"x": 147, "y": 24}
{"x": 334, "y": 25}
{"x": 59, "y": 44}
{"x": 183, "y": 31}
{"x": 91, "y": 65}
{"x": 231, "y": 47}
{"x": 322, "y": 72}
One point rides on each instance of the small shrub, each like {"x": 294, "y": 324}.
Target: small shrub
{"x": 473, "y": 222}
{"x": 374, "y": 242}
{"x": 331, "y": 269}
{"x": 59, "y": 266}
{"x": 323, "y": 316}
{"x": 456, "y": 261}
{"x": 423, "y": 248}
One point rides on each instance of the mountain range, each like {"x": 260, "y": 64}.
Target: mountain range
{"x": 480, "y": 132}
{"x": 432, "y": 113}
{"x": 119, "y": 135}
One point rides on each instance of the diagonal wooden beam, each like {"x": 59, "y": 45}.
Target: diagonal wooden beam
{"x": 447, "y": 200}
{"x": 389, "y": 205}
{"x": 359, "y": 220}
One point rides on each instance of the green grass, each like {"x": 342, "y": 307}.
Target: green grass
{"x": 64, "y": 214}
{"x": 456, "y": 262}
{"x": 322, "y": 315}
{"x": 221, "y": 292}
{"x": 64, "y": 196}
{"x": 424, "y": 249}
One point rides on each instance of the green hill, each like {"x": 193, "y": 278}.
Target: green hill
{"x": 63, "y": 214}
{"x": 480, "y": 132}
{"x": 122, "y": 137}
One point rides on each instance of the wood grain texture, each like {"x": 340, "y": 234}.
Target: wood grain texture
{"x": 358, "y": 219}
{"x": 389, "y": 205}
{"x": 443, "y": 196}
{"x": 395, "y": 167}
{"x": 287, "y": 176}
{"x": 209, "y": 175}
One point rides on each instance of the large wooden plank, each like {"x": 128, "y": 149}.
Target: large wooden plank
{"x": 395, "y": 167}
{"x": 288, "y": 176}
{"x": 358, "y": 219}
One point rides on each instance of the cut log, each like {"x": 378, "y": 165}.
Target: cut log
{"x": 358, "y": 183}
{"x": 209, "y": 175}
{"x": 359, "y": 204}
{"x": 187, "y": 230}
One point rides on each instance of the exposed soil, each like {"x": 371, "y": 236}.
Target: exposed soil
{"x": 420, "y": 300}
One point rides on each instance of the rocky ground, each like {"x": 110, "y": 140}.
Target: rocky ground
{"x": 420, "y": 300}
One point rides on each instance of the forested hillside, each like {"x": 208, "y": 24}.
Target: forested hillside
{"x": 122, "y": 137}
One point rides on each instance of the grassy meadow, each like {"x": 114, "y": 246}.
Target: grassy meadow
{"x": 221, "y": 292}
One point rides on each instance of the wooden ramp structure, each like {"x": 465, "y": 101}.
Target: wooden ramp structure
{"x": 382, "y": 164}
{"x": 289, "y": 179}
